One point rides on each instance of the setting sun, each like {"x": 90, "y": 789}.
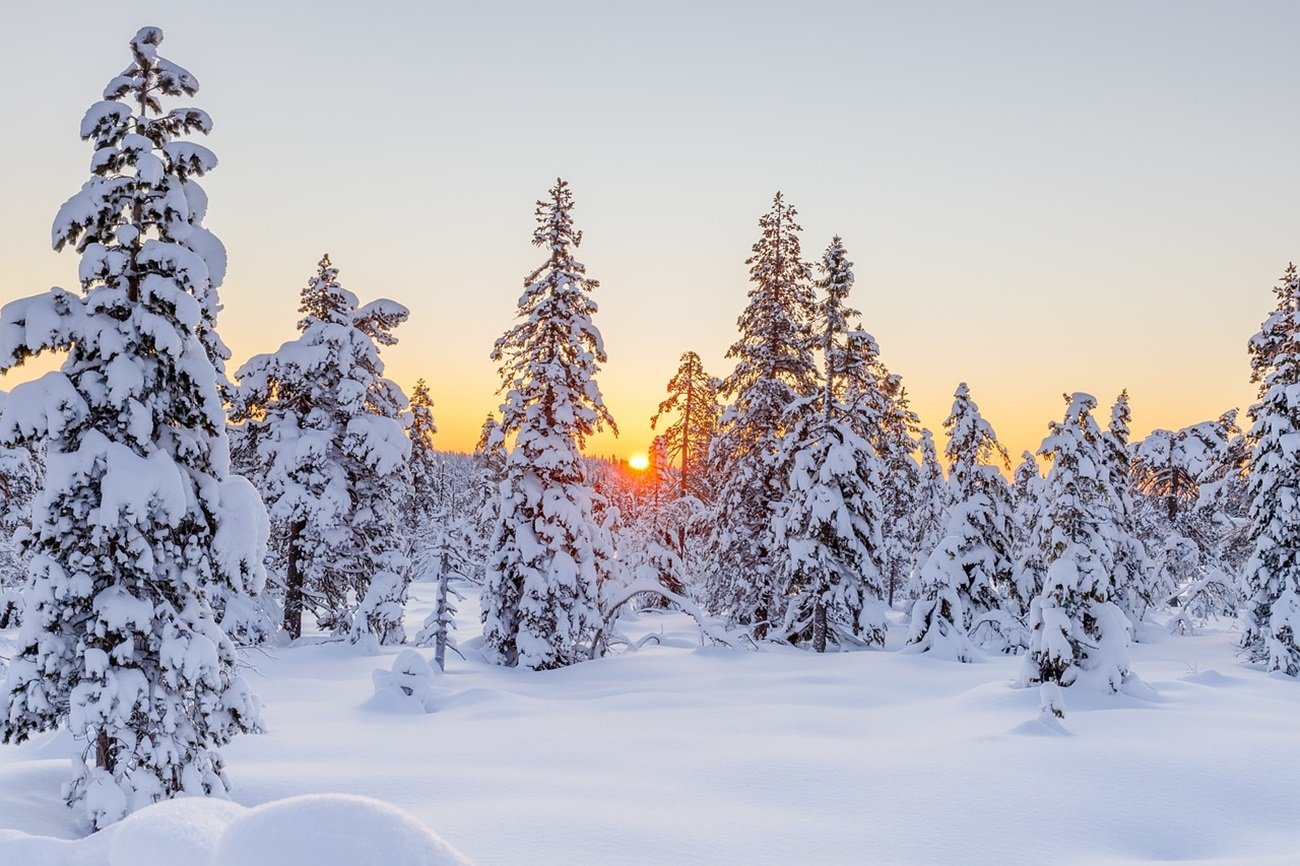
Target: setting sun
{"x": 639, "y": 462}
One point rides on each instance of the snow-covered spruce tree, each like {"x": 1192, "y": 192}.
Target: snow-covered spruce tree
{"x": 1027, "y": 542}
{"x": 1164, "y": 473}
{"x": 425, "y": 491}
{"x": 450, "y": 560}
{"x": 1217, "y": 526}
{"x": 1272, "y": 575}
{"x": 693, "y": 400}
{"x": 489, "y": 462}
{"x": 327, "y": 431}
{"x": 930, "y": 516}
{"x": 438, "y": 532}
{"x": 975, "y": 480}
{"x": 1075, "y": 627}
{"x": 1131, "y": 568}
{"x": 1165, "y": 480}
{"x": 886, "y": 420}
{"x": 1192, "y": 512}
{"x": 20, "y": 478}
{"x": 1223, "y": 501}
{"x": 828, "y": 522}
{"x": 774, "y": 369}
{"x": 445, "y": 555}
{"x": 138, "y": 521}
{"x": 549, "y": 551}
{"x": 979, "y": 516}
{"x": 938, "y": 616}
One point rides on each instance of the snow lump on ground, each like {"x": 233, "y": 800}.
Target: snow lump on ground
{"x": 313, "y": 830}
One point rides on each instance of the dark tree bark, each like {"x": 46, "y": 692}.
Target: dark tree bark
{"x": 293, "y": 582}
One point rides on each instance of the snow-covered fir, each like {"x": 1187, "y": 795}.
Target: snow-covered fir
{"x": 1272, "y": 575}
{"x": 437, "y": 531}
{"x": 139, "y": 525}
{"x": 548, "y": 552}
{"x": 1191, "y": 506}
{"x": 21, "y": 469}
{"x": 1028, "y": 545}
{"x": 1136, "y": 591}
{"x": 775, "y": 369}
{"x": 828, "y": 521}
{"x": 930, "y": 517}
{"x": 974, "y": 560}
{"x": 322, "y": 434}
{"x": 692, "y": 404}
{"x": 893, "y": 429}
{"x": 1076, "y": 630}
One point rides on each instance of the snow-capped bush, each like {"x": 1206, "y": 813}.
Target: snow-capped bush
{"x": 410, "y": 682}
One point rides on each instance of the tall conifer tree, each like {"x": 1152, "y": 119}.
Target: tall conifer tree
{"x": 327, "y": 431}
{"x": 981, "y": 502}
{"x": 930, "y": 516}
{"x": 139, "y": 523}
{"x": 1075, "y": 626}
{"x": 693, "y": 398}
{"x": 1131, "y": 568}
{"x": 1272, "y": 577}
{"x": 828, "y": 523}
{"x": 1027, "y": 542}
{"x": 885, "y": 418}
{"x": 550, "y": 553}
{"x": 774, "y": 369}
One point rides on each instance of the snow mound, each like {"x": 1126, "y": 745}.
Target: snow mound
{"x": 332, "y": 830}
{"x": 1045, "y": 725}
{"x": 186, "y": 830}
{"x": 320, "y": 829}
{"x": 1211, "y": 678}
{"x": 407, "y": 688}
{"x": 20, "y": 849}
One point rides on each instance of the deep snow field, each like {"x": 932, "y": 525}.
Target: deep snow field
{"x": 678, "y": 753}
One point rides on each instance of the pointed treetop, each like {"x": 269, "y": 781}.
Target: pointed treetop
{"x": 1077, "y": 424}
{"x": 422, "y": 427}
{"x": 323, "y": 299}
{"x": 777, "y": 254}
{"x": 970, "y": 438}
{"x": 1270, "y": 347}
{"x": 490, "y": 436}
{"x": 837, "y": 282}
{"x": 550, "y": 357}
{"x": 1120, "y": 417}
{"x": 1078, "y": 404}
{"x": 555, "y": 230}
{"x": 774, "y": 349}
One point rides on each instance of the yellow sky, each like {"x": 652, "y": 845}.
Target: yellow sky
{"x": 1039, "y": 198}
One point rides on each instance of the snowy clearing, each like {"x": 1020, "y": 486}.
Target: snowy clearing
{"x": 678, "y": 753}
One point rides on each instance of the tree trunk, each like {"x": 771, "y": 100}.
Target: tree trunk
{"x": 103, "y": 752}
{"x": 686, "y": 433}
{"x": 293, "y": 582}
{"x": 440, "y": 643}
{"x": 819, "y": 626}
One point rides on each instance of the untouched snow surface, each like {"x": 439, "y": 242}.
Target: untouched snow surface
{"x": 682, "y": 754}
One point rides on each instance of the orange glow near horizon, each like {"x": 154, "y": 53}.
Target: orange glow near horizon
{"x": 638, "y": 461}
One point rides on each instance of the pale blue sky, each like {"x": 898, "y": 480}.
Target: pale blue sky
{"x": 1040, "y": 197}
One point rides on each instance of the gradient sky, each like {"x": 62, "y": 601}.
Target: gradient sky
{"x": 1040, "y": 197}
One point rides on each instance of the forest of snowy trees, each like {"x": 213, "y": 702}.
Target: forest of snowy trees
{"x": 161, "y": 513}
